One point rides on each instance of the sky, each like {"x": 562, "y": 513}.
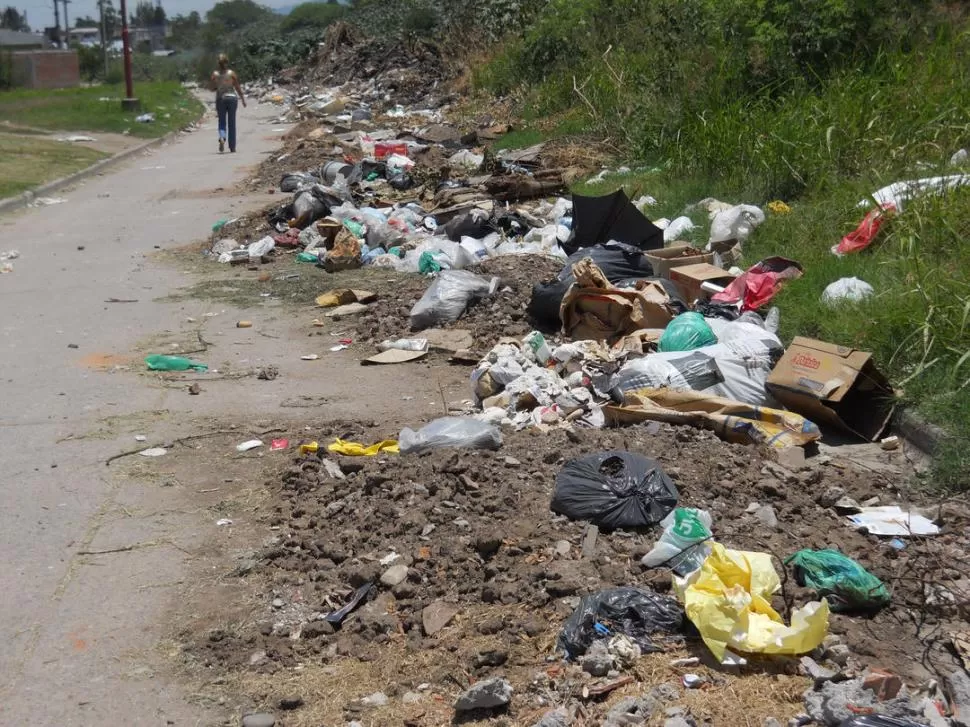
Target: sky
{"x": 40, "y": 13}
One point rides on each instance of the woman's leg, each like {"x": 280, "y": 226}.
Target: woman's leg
{"x": 232, "y": 104}
{"x": 221, "y": 113}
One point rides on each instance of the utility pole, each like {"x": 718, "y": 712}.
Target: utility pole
{"x": 67, "y": 25}
{"x": 129, "y": 103}
{"x": 57, "y": 22}
{"x": 104, "y": 37}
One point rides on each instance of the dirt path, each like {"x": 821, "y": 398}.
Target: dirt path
{"x": 79, "y": 637}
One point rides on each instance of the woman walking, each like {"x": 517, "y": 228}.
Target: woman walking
{"x": 225, "y": 83}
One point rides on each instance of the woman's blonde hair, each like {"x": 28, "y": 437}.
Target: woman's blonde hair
{"x": 223, "y": 61}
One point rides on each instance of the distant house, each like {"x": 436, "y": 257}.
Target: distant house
{"x": 12, "y": 40}
{"x": 86, "y": 36}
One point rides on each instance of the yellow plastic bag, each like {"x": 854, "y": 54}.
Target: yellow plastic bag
{"x": 729, "y": 601}
{"x": 356, "y": 449}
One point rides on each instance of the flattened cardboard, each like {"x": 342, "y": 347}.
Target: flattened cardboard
{"x": 690, "y": 277}
{"x": 393, "y": 356}
{"x": 834, "y": 385}
{"x": 675, "y": 256}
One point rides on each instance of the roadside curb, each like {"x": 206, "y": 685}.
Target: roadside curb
{"x": 923, "y": 435}
{"x": 23, "y": 199}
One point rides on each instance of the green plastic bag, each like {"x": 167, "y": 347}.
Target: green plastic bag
{"x": 428, "y": 262}
{"x": 686, "y": 332}
{"x": 159, "y": 362}
{"x": 848, "y": 586}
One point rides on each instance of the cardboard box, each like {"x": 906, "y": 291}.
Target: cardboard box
{"x": 677, "y": 255}
{"x": 833, "y": 385}
{"x": 690, "y": 277}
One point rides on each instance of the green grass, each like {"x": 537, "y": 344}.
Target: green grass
{"x": 27, "y": 162}
{"x": 82, "y": 109}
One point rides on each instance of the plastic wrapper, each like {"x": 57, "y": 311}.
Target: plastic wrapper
{"x": 729, "y": 601}
{"x": 307, "y": 208}
{"x": 867, "y": 231}
{"x": 676, "y": 229}
{"x": 447, "y": 298}
{"x": 261, "y": 247}
{"x": 685, "y": 333}
{"x": 847, "y": 585}
{"x": 614, "y": 490}
{"x": 295, "y": 181}
{"x": 685, "y": 542}
{"x": 646, "y": 617}
{"x": 448, "y": 432}
{"x": 850, "y": 290}
{"x": 897, "y": 193}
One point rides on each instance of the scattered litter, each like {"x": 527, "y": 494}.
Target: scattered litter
{"x": 248, "y": 445}
{"x": 223, "y": 522}
{"x": 847, "y": 585}
{"x": 145, "y": 118}
{"x": 278, "y": 444}
{"x": 153, "y": 452}
{"x": 140, "y": 437}
{"x": 76, "y": 139}
{"x": 47, "y": 201}
{"x": 893, "y": 520}
{"x": 684, "y": 544}
{"x": 846, "y": 290}
{"x": 446, "y": 432}
{"x": 310, "y": 357}
{"x": 355, "y": 449}
{"x": 728, "y": 599}
{"x": 160, "y": 362}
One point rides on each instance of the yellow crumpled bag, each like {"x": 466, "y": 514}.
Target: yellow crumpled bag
{"x": 356, "y": 449}
{"x": 729, "y": 601}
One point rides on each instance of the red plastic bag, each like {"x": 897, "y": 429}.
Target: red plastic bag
{"x": 759, "y": 284}
{"x": 863, "y": 235}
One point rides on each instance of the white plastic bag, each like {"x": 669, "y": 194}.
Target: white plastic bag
{"x": 899, "y": 192}
{"x": 448, "y": 297}
{"x": 676, "y": 229}
{"x": 684, "y": 544}
{"x": 846, "y": 290}
{"x": 261, "y": 247}
{"x": 461, "y": 432}
{"x": 736, "y": 223}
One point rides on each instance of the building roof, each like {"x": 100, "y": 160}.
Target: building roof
{"x": 14, "y": 38}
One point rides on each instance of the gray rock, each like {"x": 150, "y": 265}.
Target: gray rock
{"x": 512, "y": 462}
{"x": 631, "y": 711}
{"x": 830, "y": 704}
{"x": 838, "y": 654}
{"x": 486, "y": 694}
{"x": 394, "y": 575}
{"x": 377, "y": 699}
{"x": 766, "y": 514}
{"x": 555, "y": 718}
{"x": 830, "y": 496}
{"x": 412, "y": 697}
{"x": 771, "y": 722}
{"x": 563, "y": 548}
{"x": 436, "y": 616}
{"x": 277, "y": 603}
{"x": 959, "y": 684}
{"x": 811, "y": 668}
{"x": 258, "y": 719}
{"x": 679, "y": 722}
{"x": 597, "y": 660}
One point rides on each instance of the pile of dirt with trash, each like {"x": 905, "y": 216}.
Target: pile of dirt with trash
{"x": 463, "y": 573}
{"x": 503, "y": 314}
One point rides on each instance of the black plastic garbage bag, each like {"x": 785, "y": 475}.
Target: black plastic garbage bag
{"x": 611, "y": 217}
{"x": 294, "y": 181}
{"x": 878, "y": 720}
{"x": 474, "y": 223}
{"x": 614, "y": 490}
{"x": 641, "y": 615}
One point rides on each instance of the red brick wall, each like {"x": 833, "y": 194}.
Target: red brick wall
{"x": 46, "y": 68}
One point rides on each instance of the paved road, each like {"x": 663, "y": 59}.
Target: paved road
{"x": 77, "y": 632}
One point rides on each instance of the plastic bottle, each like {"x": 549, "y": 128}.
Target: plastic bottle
{"x": 159, "y": 362}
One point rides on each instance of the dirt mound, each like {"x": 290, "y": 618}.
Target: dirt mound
{"x": 470, "y": 534}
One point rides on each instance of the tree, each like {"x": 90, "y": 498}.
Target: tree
{"x": 315, "y": 15}
{"x": 146, "y": 15}
{"x": 112, "y": 22}
{"x": 238, "y": 14}
{"x": 186, "y": 31}
{"x": 86, "y": 22}
{"x": 11, "y": 19}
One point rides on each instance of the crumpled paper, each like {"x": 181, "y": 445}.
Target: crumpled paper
{"x": 729, "y": 601}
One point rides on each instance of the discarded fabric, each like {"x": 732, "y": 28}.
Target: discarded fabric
{"x": 614, "y": 490}
{"x": 847, "y": 585}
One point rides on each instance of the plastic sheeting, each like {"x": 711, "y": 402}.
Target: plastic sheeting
{"x": 729, "y": 601}
{"x": 448, "y": 296}
{"x": 461, "y": 432}
{"x": 842, "y": 580}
